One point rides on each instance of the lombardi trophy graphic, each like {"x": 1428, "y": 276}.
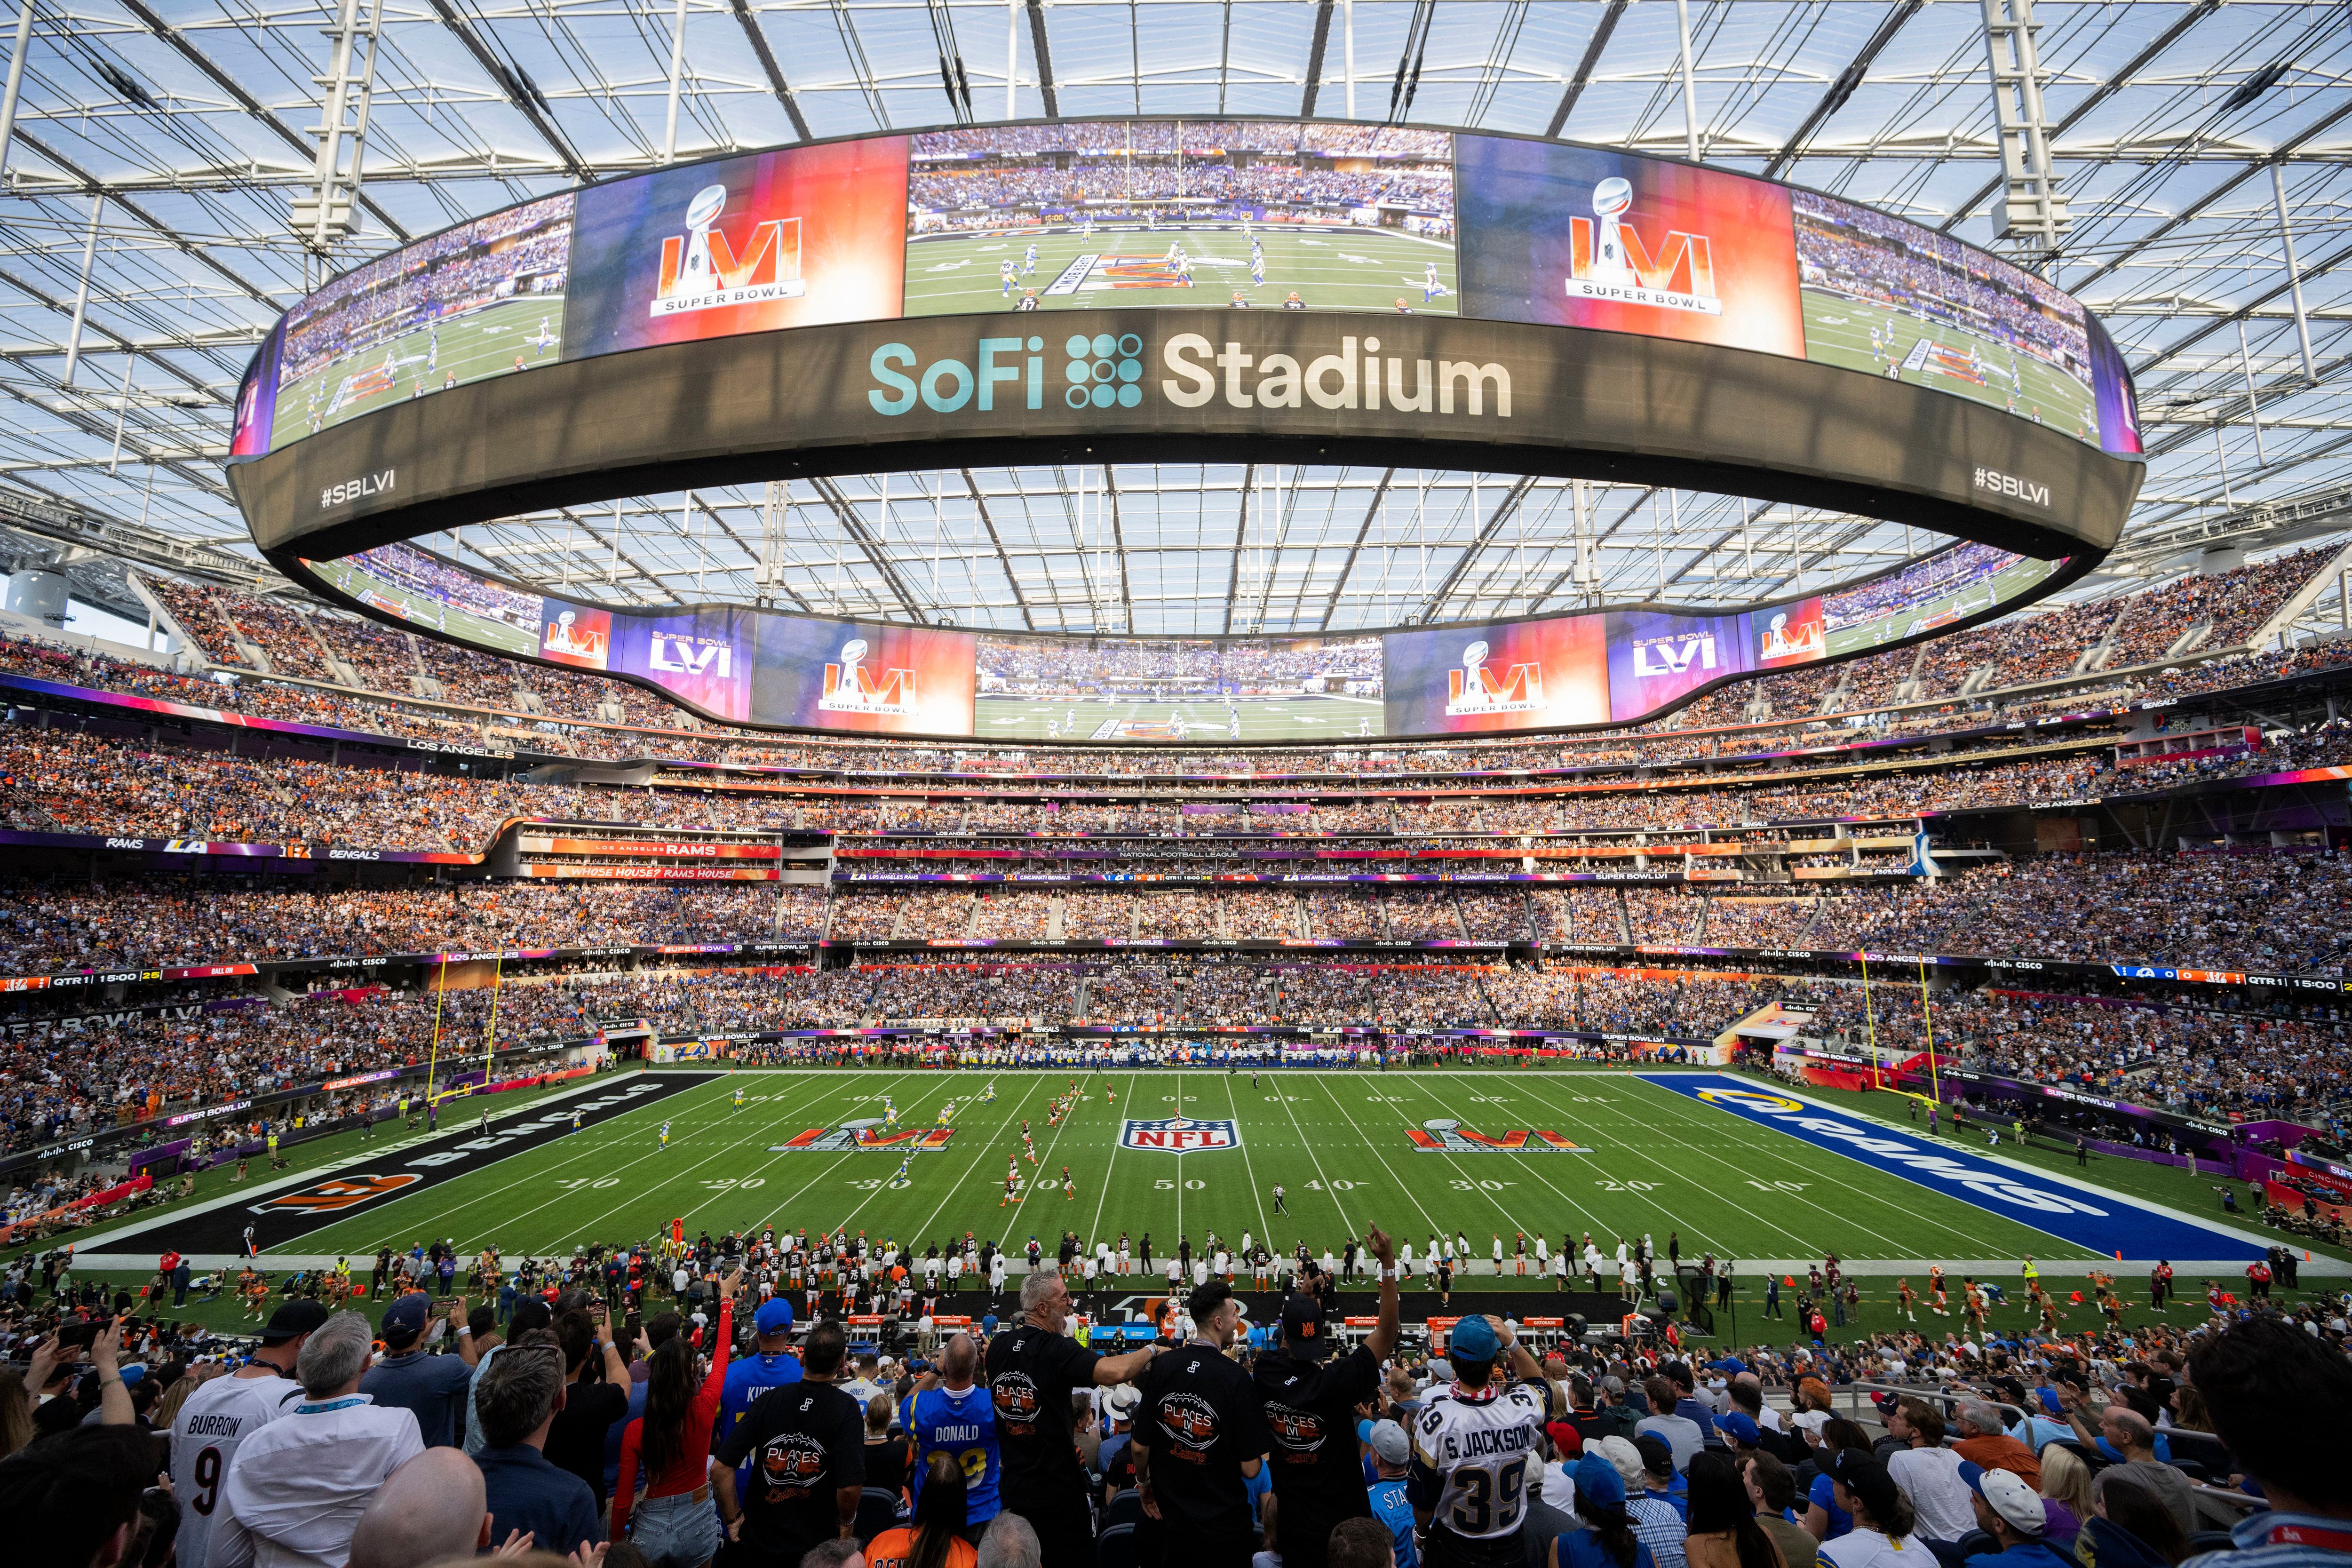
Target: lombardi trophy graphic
{"x": 1474, "y": 690}
{"x": 697, "y": 276}
{"x": 1611, "y": 198}
{"x": 851, "y": 652}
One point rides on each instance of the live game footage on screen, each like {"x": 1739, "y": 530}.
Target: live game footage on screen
{"x": 1896, "y": 300}
{"x": 1178, "y": 688}
{"x": 480, "y": 299}
{"x": 1180, "y": 213}
{"x": 1228, "y": 214}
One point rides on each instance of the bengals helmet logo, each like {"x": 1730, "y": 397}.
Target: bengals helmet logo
{"x": 335, "y": 1196}
{"x": 1294, "y": 1429}
{"x": 1015, "y": 1398}
{"x": 792, "y": 1462}
{"x": 1189, "y": 1419}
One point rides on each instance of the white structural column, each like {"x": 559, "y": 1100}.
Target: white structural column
{"x": 2294, "y": 275}
{"x": 677, "y": 72}
{"x": 81, "y": 290}
{"x": 1690, "y": 90}
{"x": 325, "y": 216}
{"x": 2032, "y": 206}
{"x": 15, "y": 82}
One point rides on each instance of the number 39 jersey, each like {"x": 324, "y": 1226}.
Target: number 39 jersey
{"x": 1472, "y": 1461}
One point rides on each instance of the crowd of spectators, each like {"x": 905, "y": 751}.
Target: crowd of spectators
{"x": 161, "y": 922}
{"x": 493, "y": 702}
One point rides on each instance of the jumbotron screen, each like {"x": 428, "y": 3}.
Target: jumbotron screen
{"x": 775, "y": 668}
{"x": 1268, "y": 215}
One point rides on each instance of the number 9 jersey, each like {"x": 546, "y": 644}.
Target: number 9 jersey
{"x": 1473, "y": 1458}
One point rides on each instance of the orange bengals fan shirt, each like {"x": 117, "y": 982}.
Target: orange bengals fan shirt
{"x": 892, "y": 1548}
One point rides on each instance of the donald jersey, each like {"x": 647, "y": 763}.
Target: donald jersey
{"x": 1472, "y": 1459}
{"x": 961, "y": 1423}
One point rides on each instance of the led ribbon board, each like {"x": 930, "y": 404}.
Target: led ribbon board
{"x": 1118, "y": 291}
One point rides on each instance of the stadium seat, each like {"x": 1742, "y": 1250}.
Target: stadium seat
{"x": 2212, "y": 1540}
{"x": 1115, "y": 1547}
{"x": 1126, "y": 1508}
{"x": 878, "y": 1510}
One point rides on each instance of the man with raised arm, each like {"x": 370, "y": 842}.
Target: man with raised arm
{"x": 1033, "y": 1369}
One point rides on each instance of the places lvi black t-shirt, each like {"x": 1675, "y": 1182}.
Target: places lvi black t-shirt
{"x": 810, "y": 1439}
{"x": 1201, "y": 1419}
{"x": 1031, "y": 1374}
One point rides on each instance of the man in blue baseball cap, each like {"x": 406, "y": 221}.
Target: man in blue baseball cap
{"x": 433, "y": 1388}
{"x": 1606, "y": 1529}
{"x": 747, "y": 1377}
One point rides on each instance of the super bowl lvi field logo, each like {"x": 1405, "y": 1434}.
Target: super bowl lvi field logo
{"x": 1444, "y": 1135}
{"x": 1180, "y": 1135}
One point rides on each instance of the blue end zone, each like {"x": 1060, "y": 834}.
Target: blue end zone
{"x": 2099, "y": 1222}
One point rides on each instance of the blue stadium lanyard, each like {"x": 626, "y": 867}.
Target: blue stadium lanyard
{"x": 307, "y": 1408}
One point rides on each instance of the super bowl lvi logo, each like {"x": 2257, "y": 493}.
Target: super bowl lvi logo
{"x": 700, "y": 269}
{"x": 1475, "y": 688}
{"x": 1608, "y": 258}
{"x": 851, "y": 686}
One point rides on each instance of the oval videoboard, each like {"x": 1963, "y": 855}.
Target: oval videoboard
{"x": 1185, "y": 290}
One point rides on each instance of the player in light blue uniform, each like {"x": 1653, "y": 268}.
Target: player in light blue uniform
{"x": 956, "y": 1416}
{"x": 664, "y": 1143}
{"x": 1028, "y": 261}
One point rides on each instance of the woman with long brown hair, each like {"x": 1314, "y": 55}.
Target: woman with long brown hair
{"x": 1723, "y": 1531}
{"x": 675, "y": 1525}
{"x": 935, "y": 1538}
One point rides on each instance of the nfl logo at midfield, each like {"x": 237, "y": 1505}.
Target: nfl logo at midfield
{"x": 1180, "y": 1135}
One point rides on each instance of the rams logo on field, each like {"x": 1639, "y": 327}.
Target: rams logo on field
{"x": 1190, "y": 1420}
{"x": 335, "y": 1196}
{"x": 791, "y": 1463}
{"x": 1016, "y": 1401}
{"x": 1750, "y": 1100}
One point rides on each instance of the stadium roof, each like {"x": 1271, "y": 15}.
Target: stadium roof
{"x": 160, "y": 151}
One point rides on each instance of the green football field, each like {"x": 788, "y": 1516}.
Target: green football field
{"x": 1333, "y": 268}
{"x": 1644, "y": 1158}
{"x": 1998, "y": 589}
{"x": 1199, "y": 719}
{"x": 1936, "y": 355}
{"x": 479, "y": 343}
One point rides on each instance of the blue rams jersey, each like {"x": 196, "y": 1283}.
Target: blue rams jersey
{"x": 747, "y": 1377}
{"x": 964, "y": 1426}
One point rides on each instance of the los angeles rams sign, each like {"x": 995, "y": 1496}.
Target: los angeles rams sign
{"x": 1180, "y": 1135}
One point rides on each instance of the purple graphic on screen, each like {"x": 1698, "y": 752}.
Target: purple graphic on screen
{"x": 1656, "y": 659}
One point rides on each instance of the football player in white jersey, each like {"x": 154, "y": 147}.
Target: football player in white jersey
{"x": 1475, "y": 1445}
{"x": 226, "y": 1411}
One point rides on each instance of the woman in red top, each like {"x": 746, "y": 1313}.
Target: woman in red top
{"x": 675, "y": 1525}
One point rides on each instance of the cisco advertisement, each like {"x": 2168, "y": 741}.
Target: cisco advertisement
{"x": 769, "y": 667}
{"x": 1274, "y": 214}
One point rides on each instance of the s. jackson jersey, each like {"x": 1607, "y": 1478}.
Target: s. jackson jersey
{"x": 1473, "y": 1458}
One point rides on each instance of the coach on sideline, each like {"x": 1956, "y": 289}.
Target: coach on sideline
{"x": 1034, "y": 1367}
